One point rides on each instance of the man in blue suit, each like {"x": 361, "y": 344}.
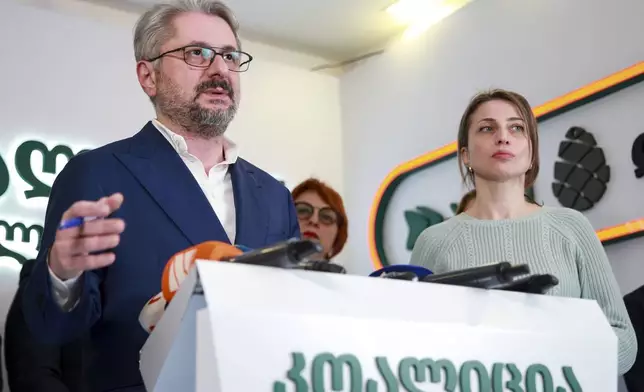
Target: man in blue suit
{"x": 174, "y": 184}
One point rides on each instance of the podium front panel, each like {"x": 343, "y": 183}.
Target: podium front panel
{"x": 279, "y": 330}
{"x": 260, "y": 351}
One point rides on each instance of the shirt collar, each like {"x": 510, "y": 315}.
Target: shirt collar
{"x": 178, "y": 142}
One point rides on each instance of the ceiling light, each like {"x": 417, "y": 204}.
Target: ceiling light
{"x": 407, "y": 11}
{"x": 419, "y": 15}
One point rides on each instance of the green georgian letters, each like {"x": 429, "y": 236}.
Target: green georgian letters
{"x": 388, "y": 376}
{"x": 414, "y": 375}
{"x": 294, "y": 374}
{"x": 24, "y": 231}
{"x": 24, "y": 236}
{"x": 337, "y": 365}
{"x": 4, "y": 177}
{"x": 26, "y": 171}
{"x": 421, "y": 368}
{"x": 18, "y": 231}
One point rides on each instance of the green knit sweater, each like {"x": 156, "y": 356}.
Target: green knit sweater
{"x": 558, "y": 241}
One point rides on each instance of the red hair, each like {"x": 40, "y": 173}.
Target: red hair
{"x": 334, "y": 200}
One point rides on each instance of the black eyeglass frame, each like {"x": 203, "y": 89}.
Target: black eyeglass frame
{"x": 217, "y": 51}
{"x": 338, "y": 218}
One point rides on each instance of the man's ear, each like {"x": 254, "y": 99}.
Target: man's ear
{"x": 147, "y": 77}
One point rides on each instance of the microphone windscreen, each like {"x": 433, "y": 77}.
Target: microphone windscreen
{"x": 178, "y": 267}
{"x": 420, "y": 272}
{"x": 176, "y": 270}
{"x": 152, "y": 312}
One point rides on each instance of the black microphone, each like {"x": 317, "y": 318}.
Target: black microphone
{"x": 287, "y": 254}
{"x": 535, "y": 284}
{"x": 482, "y": 277}
{"x": 321, "y": 266}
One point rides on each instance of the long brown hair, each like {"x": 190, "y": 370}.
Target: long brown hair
{"x": 525, "y": 111}
{"x": 465, "y": 201}
{"x": 469, "y": 197}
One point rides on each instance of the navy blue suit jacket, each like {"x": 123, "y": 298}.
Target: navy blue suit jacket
{"x": 165, "y": 211}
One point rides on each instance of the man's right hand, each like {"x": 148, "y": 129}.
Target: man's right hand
{"x": 70, "y": 254}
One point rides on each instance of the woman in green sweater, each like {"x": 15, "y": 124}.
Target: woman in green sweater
{"x": 498, "y": 151}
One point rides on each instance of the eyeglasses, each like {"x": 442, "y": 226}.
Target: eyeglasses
{"x": 326, "y": 215}
{"x": 202, "y": 57}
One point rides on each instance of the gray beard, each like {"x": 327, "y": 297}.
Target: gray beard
{"x": 192, "y": 117}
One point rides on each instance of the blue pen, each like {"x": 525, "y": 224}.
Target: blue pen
{"x": 75, "y": 222}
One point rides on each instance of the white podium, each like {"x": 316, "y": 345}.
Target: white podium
{"x": 234, "y": 328}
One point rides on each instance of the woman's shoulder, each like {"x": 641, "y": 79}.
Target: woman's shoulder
{"x": 568, "y": 221}
{"x": 564, "y": 215}
{"x": 439, "y": 232}
{"x": 435, "y": 241}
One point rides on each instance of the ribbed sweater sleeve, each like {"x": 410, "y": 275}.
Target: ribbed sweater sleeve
{"x": 559, "y": 241}
{"x": 598, "y": 282}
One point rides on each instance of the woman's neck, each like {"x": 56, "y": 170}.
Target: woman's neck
{"x": 500, "y": 200}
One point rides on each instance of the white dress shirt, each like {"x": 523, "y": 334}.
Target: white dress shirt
{"x": 216, "y": 185}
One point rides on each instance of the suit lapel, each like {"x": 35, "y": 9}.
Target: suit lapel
{"x": 160, "y": 170}
{"x": 252, "y": 219}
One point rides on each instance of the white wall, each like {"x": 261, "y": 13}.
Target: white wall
{"x": 409, "y": 101}
{"x": 68, "y": 76}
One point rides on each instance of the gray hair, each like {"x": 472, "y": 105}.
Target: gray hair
{"x": 155, "y": 27}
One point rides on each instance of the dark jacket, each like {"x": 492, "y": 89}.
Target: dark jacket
{"x": 1, "y": 380}
{"x": 634, "y": 378}
{"x": 36, "y": 367}
{"x": 165, "y": 211}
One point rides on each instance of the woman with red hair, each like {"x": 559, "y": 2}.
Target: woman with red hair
{"x": 321, "y": 214}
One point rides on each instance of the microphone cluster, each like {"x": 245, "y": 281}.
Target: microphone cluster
{"x": 291, "y": 254}
{"x": 295, "y": 254}
{"x": 498, "y": 276}
{"x": 300, "y": 255}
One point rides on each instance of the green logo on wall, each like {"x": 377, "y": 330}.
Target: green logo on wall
{"x": 637, "y": 155}
{"x": 18, "y": 231}
{"x": 420, "y": 219}
{"x": 413, "y": 373}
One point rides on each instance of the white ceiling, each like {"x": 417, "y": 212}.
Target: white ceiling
{"x": 337, "y": 30}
